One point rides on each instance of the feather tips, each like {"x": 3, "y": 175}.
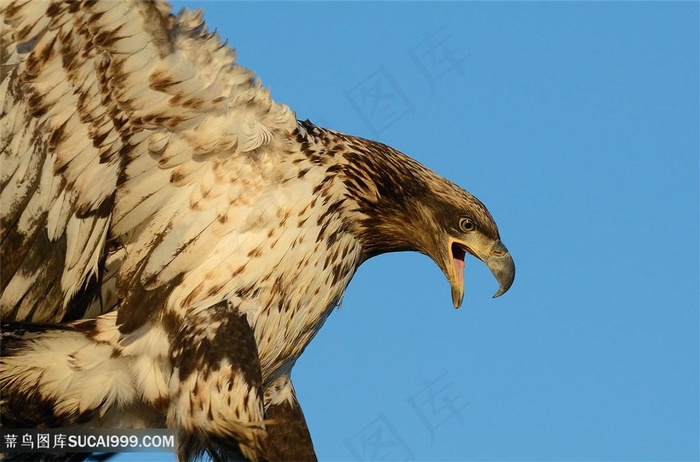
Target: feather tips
{"x": 128, "y": 107}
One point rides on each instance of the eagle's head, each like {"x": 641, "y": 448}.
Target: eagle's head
{"x": 456, "y": 226}
{"x": 403, "y": 205}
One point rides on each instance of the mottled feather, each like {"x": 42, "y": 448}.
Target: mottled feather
{"x": 172, "y": 238}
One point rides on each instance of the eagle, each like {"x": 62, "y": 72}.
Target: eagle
{"x": 172, "y": 238}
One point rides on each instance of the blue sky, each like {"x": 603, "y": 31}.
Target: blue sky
{"x": 577, "y": 125}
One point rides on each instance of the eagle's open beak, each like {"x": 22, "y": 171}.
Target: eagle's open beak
{"x": 496, "y": 258}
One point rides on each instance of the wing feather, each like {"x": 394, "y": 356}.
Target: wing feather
{"x": 137, "y": 163}
{"x": 121, "y": 126}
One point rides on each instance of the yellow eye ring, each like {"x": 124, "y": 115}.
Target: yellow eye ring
{"x": 466, "y": 225}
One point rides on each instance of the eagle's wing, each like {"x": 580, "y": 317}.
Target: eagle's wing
{"x": 131, "y": 146}
{"x": 58, "y": 170}
{"x": 288, "y": 436}
{"x": 218, "y": 406}
{"x": 116, "y": 120}
{"x": 219, "y": 401}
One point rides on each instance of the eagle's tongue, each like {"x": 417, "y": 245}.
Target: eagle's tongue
{"x": 458, "y": 288}
{"x": 459, "y": 269}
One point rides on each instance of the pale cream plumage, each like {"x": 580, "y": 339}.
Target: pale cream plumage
{"x": 152, "y": 186}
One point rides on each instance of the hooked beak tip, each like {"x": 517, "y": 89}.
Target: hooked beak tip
{"x": 498, "y": 261}
{"x": 502, "y": 267}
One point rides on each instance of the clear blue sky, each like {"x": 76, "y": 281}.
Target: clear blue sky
{"x": 577, "y": 125}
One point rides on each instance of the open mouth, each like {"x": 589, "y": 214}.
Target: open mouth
{"x": 459, "y": 251}
{"x": 498, "y": 260}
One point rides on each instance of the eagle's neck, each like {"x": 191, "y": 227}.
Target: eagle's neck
{"x": 386, "y": 195}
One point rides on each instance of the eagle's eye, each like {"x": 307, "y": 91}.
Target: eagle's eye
{"x": 466, "y": 225}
